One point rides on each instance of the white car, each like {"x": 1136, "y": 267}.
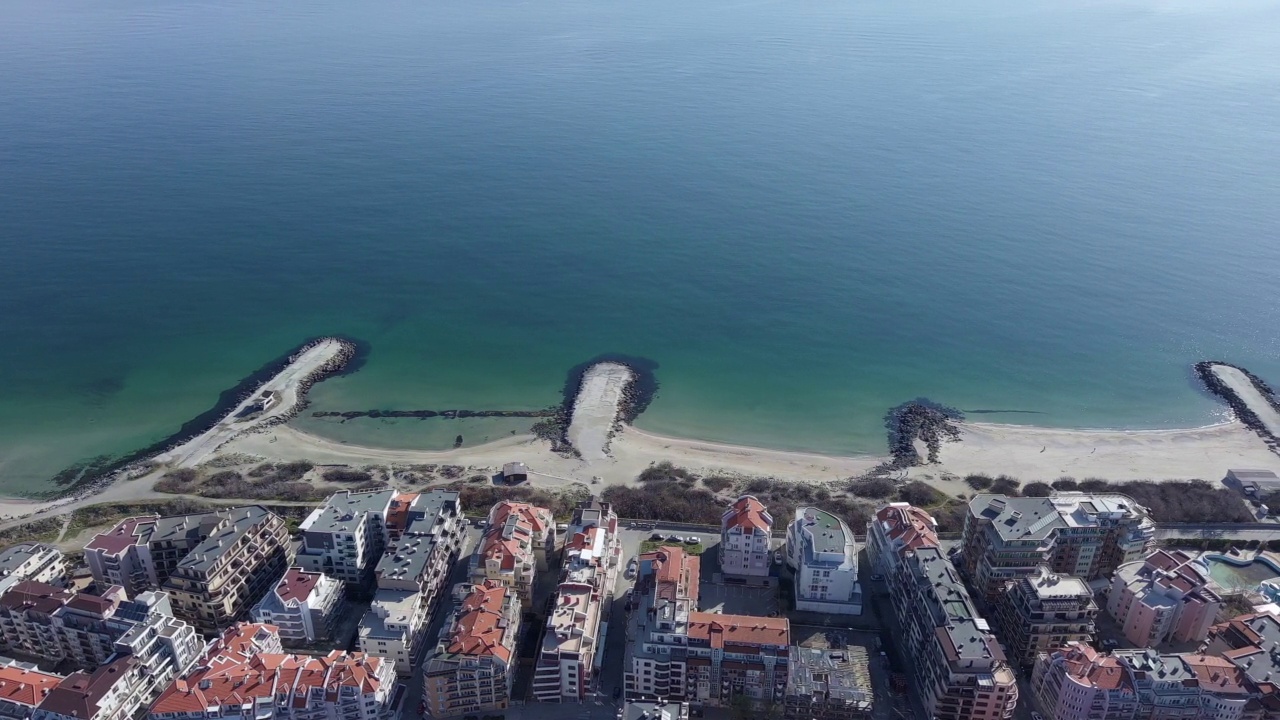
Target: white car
{"x": 1036, "y": 716}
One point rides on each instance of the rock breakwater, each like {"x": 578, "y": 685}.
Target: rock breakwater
{"x": 923, "y": 420}
{"x": 1250, "y": 398}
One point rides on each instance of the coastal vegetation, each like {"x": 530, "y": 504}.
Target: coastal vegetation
{"x": 264, "y": 482}
{"x": 477, "y": 499}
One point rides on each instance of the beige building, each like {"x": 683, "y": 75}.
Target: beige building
{"x": 471, "y": 670}
{"x": 515, "y": 547}
{"x": 217, "y": 583}
{"x": 678, "y": 653}
{"x": 1165, "y": 598}
{"x": 746, "y": 537}
{"x": 1043, "y": 612}
{"x": 1081, "y": 534}
{"x": 959, "y": 669}
{"x": 140, "y": 553}
{"x": 572, "y": 647}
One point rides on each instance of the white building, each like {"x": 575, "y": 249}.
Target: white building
{"x": 345, "y": 537}
{"x": 394, "y": 627}
{"x": 746, "y": 536}
{"x": 822, "y": 552}
{"x": 31, "y": 561}
{"x": 301, "y": 605}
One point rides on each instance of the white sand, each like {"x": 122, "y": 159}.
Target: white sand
{"x": 286, "y": 383}
{"x": 1033, "y": 453}
{"x": 595, "y": 410}
{"x": 1251, "y": 396}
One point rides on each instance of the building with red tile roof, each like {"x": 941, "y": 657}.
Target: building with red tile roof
{"x": 896, "y": 528}
{"x": 719, "y": 657}
{"x": 515, "y": 547}
{"x": 1165, "y": 598}
{"x": 302, "y": 605}
{"x": 572, "y": 647}
{"x": 1079, "y": 683}
{"x": 245, "y": 674}
{"x": 746, "y": 538}
{"x": 114, "y": 691}
{"x": 22, "y": 687}
{"x": 471, "y": 670}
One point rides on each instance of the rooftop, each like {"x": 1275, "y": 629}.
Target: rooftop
{"x": 390, "y": 614}
{"x": 906, "y": 526}
{"x": 1031, "y": 518}
{"x": 827, "y": 675}
{"x": 235, "y": 524}
{"x": 965, "y": 636}
{"x": 743, "y": 630}
{"x": 13, "y": 558}
{"x": 235, "y": 671}
{"x": 344, "y": 511}
{"x": 1048, "y": 585}
{"x": 482, "y": 626}
{"x": 297, "y": 585}
{"x": 80, "y": 694}
{"x": 653, "y": 711}
{"x": 24, "y": 683}
{"x": 747, "y": 514}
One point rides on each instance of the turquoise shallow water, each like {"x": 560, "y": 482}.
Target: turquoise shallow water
{"x": 805, "y": 213}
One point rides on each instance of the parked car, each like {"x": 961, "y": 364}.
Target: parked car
{"x": 691, "y": 540}
{"x": 674, "y": 538}
{"x": 632, "y": 567}
{"x": 877, "y": 577}
{"x": 657, "y": 537}
{"x": 1109, "y": 643}
{"x": 631, "y": 526}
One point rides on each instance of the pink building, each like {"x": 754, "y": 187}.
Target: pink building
{"x": 1165, "y": 598}
{"x": 1078, "y": 683}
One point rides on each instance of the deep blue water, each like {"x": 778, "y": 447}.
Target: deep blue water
{"x": 805, "y": 212}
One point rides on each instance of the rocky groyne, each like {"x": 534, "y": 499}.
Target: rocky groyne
{"x": 88, "y": 478}
{"x": 1250, "y": 411}
{"x": 923, "y": 420}
{"x": 446, "y": 414}
{"x": 634, "y": 399}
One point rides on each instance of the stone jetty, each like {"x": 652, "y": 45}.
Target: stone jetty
{"x": 1248, "y": 396}
{"x": 598, "y": 409}
{"x": 277, "y": 400}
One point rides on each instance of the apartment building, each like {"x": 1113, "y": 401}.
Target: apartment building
{"x": 678, "y": 653}
{"x": 746, "y": 538}
{"x": 516, "y": 543}
{"x": 828, "y": 684}
{"x": 140, "y": 553}
{"x": 1079, "y": 683}
{"x": 572, "y": 647}
{"x": 898, "y": 527}
{"x": 114, "y": 691}
{"x": 1081, "y": 534}
{"x": 22, "y": 687}
{"x": 217, "y": 583}
{"x": 303, "y": 606}
{"x": 1164, "y": 598}
{"x": 959, "y": 670}
{"x": 245, "y": 675}
{"x": 824, "y": 557}
{"x": 1043, "y": 612}
{"x": 31, "y": 561}
{"x": 1250, "y": 642}
{"x": 43, "y": 621}
{"x": 345, "y": 537}
{"x": 471, "y": 669}
{"x": 410, "y": 578}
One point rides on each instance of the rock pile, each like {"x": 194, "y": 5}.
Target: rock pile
{"x": 1215, "y": 385}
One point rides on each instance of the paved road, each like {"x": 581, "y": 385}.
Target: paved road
{"x": 1218, "y": 531}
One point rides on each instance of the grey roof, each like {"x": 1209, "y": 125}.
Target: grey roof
{"x": 396, "y": 605}
{"x": 950, "y": 607}
{"x": 431, "y": 505}
{"x": 11, "y": 558}
{"x": 407, "y": 558}
{"x": 1161, "y": 668}
{"x": 1253, "y": 474}
{"x": 345, "y": 510}
{"x": 1263, "y": 665}
{"x": 1036, "y": 518}
{"x": 190, "y": 528}
{"x": 241, "y": 521}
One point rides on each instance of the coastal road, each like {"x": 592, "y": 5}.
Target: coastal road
{"x": 1219, "y": 531}
{"x": 285, "y": 384}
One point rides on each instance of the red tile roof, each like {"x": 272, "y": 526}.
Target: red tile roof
{"x": 398, "y": 514}
{"x": 908, "y": 527}
{"x": 748, "y": 514}
{"x": 25, "y": 687}
{"x": 37, "y": 596}
{"x": 723, "y": 630}
{"x": 1089, "y": 667}
{"x": 676, "y": 573}
{"x": 481, "y": 624}
{"x": 235, "y": 673}
{"x": 1216, "y": 673}
{"x": 79, "y": 693}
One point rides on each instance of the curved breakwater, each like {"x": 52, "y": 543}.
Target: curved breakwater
{"x": 1254, "y": 404}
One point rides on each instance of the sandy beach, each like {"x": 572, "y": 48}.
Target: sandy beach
{"x": 1025, "y": 452}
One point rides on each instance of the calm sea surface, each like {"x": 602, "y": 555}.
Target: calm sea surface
{"x": 805, "y": 212}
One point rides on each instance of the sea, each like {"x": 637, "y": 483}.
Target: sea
{"x": 805, "y": 212}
